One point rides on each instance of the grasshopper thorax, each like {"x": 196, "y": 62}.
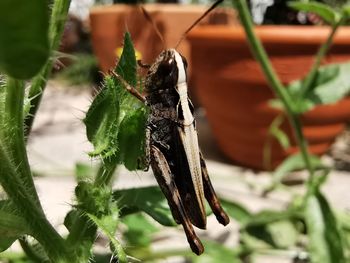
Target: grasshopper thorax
{"x": 167, "y": 72}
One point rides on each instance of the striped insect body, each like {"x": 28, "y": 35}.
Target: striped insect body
{"x": 172, "y": 144}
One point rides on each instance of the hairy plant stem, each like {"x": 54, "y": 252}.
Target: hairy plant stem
{"x": 39, "y": 227}
{"x": 56, "y": 27}
{"x": 14, "y": 135}
{"x": 83, "y": 229}
{"x": 274, "y": 82}
{"x": 31, "y": 252}
{"x": 322, "y": 51}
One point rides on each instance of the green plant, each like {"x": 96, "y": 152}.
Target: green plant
{"x": 322, "y": 85}
{"x": 113, "y": 120}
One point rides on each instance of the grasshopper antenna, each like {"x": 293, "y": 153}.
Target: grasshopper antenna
{"x": 151, "y": 21}
{"x": 197, "y": 21}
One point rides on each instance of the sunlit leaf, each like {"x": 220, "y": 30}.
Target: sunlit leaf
{"x": 147, "y": 199}
{"x": 272, "y": 228}
{"x": 332, "y": 83}
{"x": 325, "y": 244}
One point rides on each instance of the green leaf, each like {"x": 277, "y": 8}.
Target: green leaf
{"x": 102, "y": 120}
{"x": 346, "y": 11}
{"x": 12, "y": 225}
{"x": 271, "y": 228}
{"x": 322, "y": 10}
{"x": 139, "y": 230}
{"x": 132, "y": 129}
{"x": 126, "y": 67}
{"x": 283, "y": 233}
{"x": 279, "y": 234}
{"x": 216, "y": 253}
{"x": 268, "y": 216}
{"x": 24, "y": 45}
{"x": 93, "y": 199}
{"x": 108, "y": 225}
{"x": 331, "y": 85}
{"x": 325, "y": 245}
{"x": 292, "y": 163}
{"x": 236, "y": 211}
{"x": 278, "y": 133}
{"x": 116, "y": 116}
{"x": 147, "y": 199}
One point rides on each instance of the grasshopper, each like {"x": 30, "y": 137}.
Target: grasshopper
{"x": 172, "y": 143}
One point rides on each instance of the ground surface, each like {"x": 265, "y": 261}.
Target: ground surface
{"x": 58, "y": 142}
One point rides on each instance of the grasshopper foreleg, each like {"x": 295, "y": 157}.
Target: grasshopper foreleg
{"x": 129, "y": 88}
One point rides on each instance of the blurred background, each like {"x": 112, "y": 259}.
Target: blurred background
{"x": 239, "y": 133}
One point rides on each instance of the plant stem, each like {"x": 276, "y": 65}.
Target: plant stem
{"x": 261, "y": 56}
{"x": 57, "y": 22}
{"x": 82, "y": 228}
{"x": 31, "y": 252}
{"x": 311, "y": 77}
{"x": 14, "y": 135}
{"x": 105, "y": 172}
{"x": 272, "y": 78}
{"x": 39, "y": 227}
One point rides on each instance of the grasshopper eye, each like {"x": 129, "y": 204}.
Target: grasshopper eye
{"x": 165, "y": 67}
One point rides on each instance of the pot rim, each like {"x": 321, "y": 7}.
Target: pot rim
{"x": 151, "y": 7}
{"x": 280, "y": 34}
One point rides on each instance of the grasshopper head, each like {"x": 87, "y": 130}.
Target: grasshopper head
{"x": 167, "y": 71}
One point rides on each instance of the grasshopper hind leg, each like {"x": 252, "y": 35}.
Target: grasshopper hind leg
{"x": 167, "y": 184}
{"x": 211, "y": 197}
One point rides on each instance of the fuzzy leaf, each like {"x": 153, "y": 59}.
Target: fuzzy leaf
{"x": 114, "y": 107}
{"x": 108, "y": 225}
{"x": 131, "y": 137}
{"x": 24, "y": 45}
{"x": 147, "y": 199}
{"x": 93, "y": 199}
{"x": 326, "y": 244}
{"x": 102, "y": 120}
{"x": 12, "y": 225}
{"x": 331, "y": 85}
{"x": 324, "y": 11}
{"x": 127, "y": 64}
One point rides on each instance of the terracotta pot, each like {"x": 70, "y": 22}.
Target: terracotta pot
{"x": 231, "y": 87}
{"x": 108, "y": 24}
